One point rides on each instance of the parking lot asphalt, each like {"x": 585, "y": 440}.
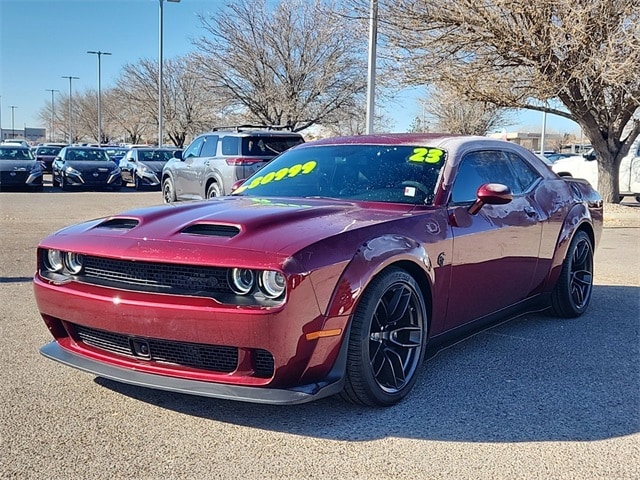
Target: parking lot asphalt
{"x": 532, "y": 398}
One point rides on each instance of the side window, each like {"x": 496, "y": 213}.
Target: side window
{"x": 524, "y": 175}
{"x": 210, "y": 146}
{"x": 193, "y": 150}
{"x": 476, "y": 168}
{"x": 230, "y": 145}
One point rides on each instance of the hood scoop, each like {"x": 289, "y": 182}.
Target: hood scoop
{"x": 212, "y": 230}
{"x": 119, "y": 223}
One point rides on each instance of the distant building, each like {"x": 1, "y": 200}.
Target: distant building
{"x": 31, "y": 135}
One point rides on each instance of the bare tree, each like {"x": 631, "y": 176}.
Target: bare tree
{"x": 298, "y": 63}
{"x": 447, "y": 110}
{"x": 188, "y": 106}
{"x": 578, "y": 59}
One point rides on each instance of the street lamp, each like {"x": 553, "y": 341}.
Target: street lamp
{"x": 99, "y": 54}
{"x": 13, "y": 132}
{"x": 70, "y": 118}
{"x": 160, "y": 75}
{"x": 371, "y": 83}
{"x": 53, "y": 112}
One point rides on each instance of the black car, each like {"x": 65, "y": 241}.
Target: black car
{"x": 143, "y": 166}
{"x": 19, "y": 168}
{"x": 85, "y": 167}
{"x": 45, "y": 154}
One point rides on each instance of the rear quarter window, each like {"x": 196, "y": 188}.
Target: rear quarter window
{"x": 268, "y": 146}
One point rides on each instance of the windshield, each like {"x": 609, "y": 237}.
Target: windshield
{"x": 87, "y": 154}
{"x": 50, "y": 151}
{"x": 13, "y": 153}
{"x": 155, "y": 155}
{"x": 380, "y": 173}
{"x": 268, "y": 146}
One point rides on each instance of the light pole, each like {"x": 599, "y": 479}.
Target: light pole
{"x": 53, "y": 112}
{"x": 160, "y": 28}
{"x": 99, "y": 54}
{"x": 13, "y": 131}
{"x": 70, "y": 118}
{"x": 371, "y": 83}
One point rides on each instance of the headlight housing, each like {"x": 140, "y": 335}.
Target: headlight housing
{"x": 66, "y": 263}
{"x": 258, "y": 283}
{"x": 53, "y": 260}
{"x": 72, "y": 171}
{"x": 272, "y": 283}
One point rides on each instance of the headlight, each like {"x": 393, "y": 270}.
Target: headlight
{"x": 37, "y": 168}
{"x": 53, "y": 261}
{"x": 241, "y": 280}
{"x": 272, "y": 283}
{"x": 143, "y": 169}
{"x": 72, "y": 171}
{"x": 73, "y": 262}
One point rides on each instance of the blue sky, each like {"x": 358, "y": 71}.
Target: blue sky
{"x": 43, "y": 40}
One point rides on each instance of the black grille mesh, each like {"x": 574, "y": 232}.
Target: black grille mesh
{"x": 206, "y": 357}
{"x": 169, "y": 278}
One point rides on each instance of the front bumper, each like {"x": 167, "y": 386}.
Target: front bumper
{"x": 274, "y": 396}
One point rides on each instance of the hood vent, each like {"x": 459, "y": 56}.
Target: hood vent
{"x": 119, "y": 223}
{"x": 212, "y": 230}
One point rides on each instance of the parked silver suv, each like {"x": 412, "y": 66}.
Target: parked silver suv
{"x": 215, "y": 160}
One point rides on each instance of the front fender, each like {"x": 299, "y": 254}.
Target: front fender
{"x": 371, "y": 258}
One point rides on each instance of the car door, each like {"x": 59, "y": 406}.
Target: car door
{"x": 495, "y": 252}
{"x": 185, "y": 173}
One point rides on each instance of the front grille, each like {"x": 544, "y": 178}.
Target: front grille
{"x": 18, "y": 177}
{"x": 156, "y": 277}
{"x": 194, "y": 355}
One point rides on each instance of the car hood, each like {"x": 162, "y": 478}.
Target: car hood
{"x": 155, "y": 167}
{"x": 89, "y": 165}
{"x": 10, "y": 165}
{"x": 191, "y": 231}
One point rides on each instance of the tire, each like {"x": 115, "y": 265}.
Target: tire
{"x": 136, "y": 182}
{"x": 63, "y": 184}
{"x": 168, "y": 191}
{"x": 116, "y": 188}
{"x": 387, "y": 341}
{"x": 572, "y": 292}
{"x": 638, "y": 198}
{"x": 213, "y": 190}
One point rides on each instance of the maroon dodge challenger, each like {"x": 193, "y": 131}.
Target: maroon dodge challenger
{"x": 332, "y": 270}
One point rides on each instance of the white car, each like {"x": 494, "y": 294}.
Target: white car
{"x": 585, "y": 166}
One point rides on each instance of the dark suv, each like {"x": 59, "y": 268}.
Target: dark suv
{"x": 214, "y": 161}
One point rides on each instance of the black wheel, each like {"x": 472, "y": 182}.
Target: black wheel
{"x": 63, "y": 184}
{"x": 213, "y": 190}
{"x": 572, "y": 292}
{"x": 638, "y": 198}
{"x": 387, "y": 340}
{"x": 168, "y": 191}
{"x": 137, "y": 184}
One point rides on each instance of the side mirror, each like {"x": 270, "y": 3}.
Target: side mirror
{"x": 177, "y": 154}
{"x": 590, "y": 156}
{"x": 491, "y": 194}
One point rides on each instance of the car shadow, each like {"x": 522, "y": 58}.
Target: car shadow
{"x": 534, "y": 378}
